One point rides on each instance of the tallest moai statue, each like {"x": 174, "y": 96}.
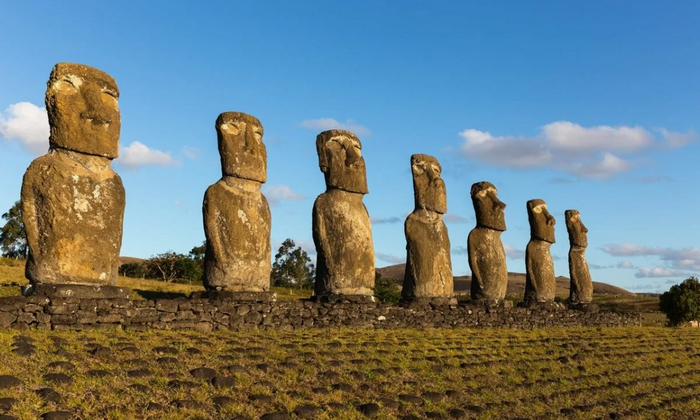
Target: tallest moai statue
{"x": 72, "y": 201}
{"x": 341, "y": 226}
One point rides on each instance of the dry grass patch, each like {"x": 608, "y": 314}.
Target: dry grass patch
{"x": 341, "y": 374}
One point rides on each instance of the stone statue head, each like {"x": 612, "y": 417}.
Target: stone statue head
{"x": 243, "y": 154}
{"x": 541, "y": 222}
{"x": 490, "y": 211}
{"x": 428, "y": 188}
{"x": 83, "y": 109}
{"x": 340, "y": 160}
{"x": 578, "y": 233}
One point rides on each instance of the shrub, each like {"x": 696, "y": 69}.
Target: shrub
{"x": 681, "y": 303}
{"x": 386, "y": 290}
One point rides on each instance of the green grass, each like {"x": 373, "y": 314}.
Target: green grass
{"x": 490, "y": 374}
{"x": 12, "y": 277}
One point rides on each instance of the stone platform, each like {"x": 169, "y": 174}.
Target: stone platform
{"x": 205, "y": 315}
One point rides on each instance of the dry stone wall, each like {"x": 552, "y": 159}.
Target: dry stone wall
{"x": 207, "y": 315}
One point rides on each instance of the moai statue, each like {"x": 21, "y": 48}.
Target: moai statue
{"x": 581, "y": 292}
{"x": 428, "y": 265}
{"x": 540, "y": 283}
{"x": 72, "y": 201}
{"x": 236, "y": 214}
{"x": 341, "y": 227}
{"x": 487, "y": 257}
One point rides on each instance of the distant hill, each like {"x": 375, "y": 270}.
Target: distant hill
{"x": 129, "y": 260}
{"x": 516, "y": 282}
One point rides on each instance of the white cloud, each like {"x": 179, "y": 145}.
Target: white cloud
{"x": 28, "y": 124}
{"x": 385, "y": 220}
{"x": 504, "y": 151}
{"x": 626, "y": 264}
{"x": 459, "y": 250}
{"x": 323, "y": 124}
{"x": 138, "y": 154}
{"x": 456, "y": 218}
{"x": 653, "y": 179}
{"x": 599, "y": 267}
{"x": 676, "y": 259}
{"x": 645, "y": 272}
{"x": 278, "y": 193}
{"x": 565, "y": 135}
{"x": 675, "y": 139}
{"x": 585, "y": 152}
{"x": 605, "y": 168}
{"x": 190, "y": 152}
{"x": 513, "y": 252}
{"x": 389, "y": 258}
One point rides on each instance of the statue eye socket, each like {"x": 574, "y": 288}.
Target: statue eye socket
{"x": 66, "y": 86}
{"x": 258, "y": 136}
{"x": 231, "y": 128}
{"x": 111, "y": 93}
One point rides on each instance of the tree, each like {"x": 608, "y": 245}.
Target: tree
{"x": 292, "y": 267}
{"x": 197, "y": 253}
{"x": 681, "y": 303}
{"x": 13, "y": 236}
{"x": 133, "y": 270}
{"x": 386, "y": 290}
{"x": 171, "y": 266}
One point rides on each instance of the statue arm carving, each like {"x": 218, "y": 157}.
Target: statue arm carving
{"x": 29, "y": 214}
{"x": 211, "y": 228}
{"x": 319, "y": 231}
{"x": 473, "y": 263}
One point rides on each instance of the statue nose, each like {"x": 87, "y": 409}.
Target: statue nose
{"x": 93, "y": 104}
{"x": 352, "y": 156}
{"x": 250, "y": 142}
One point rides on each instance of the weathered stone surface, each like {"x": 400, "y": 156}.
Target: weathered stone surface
{"x": 72, "y": 201}
{"x": 333, "y": 311}
{"x": 487, "y": 257}
{"x": 540, "y": 283}
{"x": 80, "y": 290}
{"x": 237, "y": 216}
{"x": 341, "y": 226}
{"x": 428, "y": 262}
{"x": 581, "y": 291}
{"x": 228, "y": 295}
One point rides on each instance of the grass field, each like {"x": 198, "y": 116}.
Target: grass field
{"x": 12, "y": 277}
{"x": 637, "y": 373}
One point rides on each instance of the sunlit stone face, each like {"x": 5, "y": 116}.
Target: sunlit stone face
{"x": 490, "y": 211}
{"x": 340, "y": 159}
{"x": 428, "y": 186}
{"x": 243, "y": 154}
{"x": 541, "y": 222}
{"x": 578, "y": 233}
{"x": 83, "y": 110}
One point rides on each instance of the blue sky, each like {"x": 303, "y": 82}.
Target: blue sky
{"x": 590, "y": 105}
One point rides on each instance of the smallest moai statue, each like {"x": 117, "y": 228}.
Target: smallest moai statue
{"x": 540, "y": 283}
{"x": 581, "y": 292}
{"x": 428, "y": 276}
